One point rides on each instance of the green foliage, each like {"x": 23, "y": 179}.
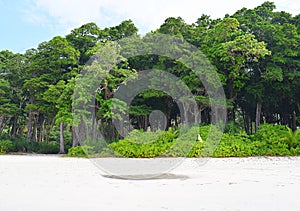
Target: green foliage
{"x": 18, "y": 145}
{"x": 270, "y": 133}
{"x": 269, "y": 141}
{"x": 5, "y": 146}
{"x": 43, "y": 147}
{"x": 81, "y": 151}
{"x": 187, "y": 144}
{"x": 255, "y": 53}
{"x": 238, "y": 145}
{"x": 97, "y": 148}
{"x": 292, "y": 138}
{"x": 144, "y": 144}
{"x": 232, "y": 128}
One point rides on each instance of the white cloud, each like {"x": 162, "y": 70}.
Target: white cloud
{"x": 147, "y": 15}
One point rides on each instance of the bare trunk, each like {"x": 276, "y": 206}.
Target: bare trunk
{"x": 232, "y": 97}
{"x": 13, "y": 131}
{"x": 145, "y": 122}
{"x": 61, "y": 138}
{"x": 35, "y": 128}
{"x": 112, "y": 130}
{"x": 74, "y": 137}
{"x": 29, "y": 127}
{"x": 197, "y": 114}
{"x": 294, "y": 125}
{"x": 42, "y": 126}
{"x": 94, "y": 128}
{"x": 284, "y": 118}
{"x": 258, "y": 114}
{"x": 186, "y": 113}
{"x": 2, "y": 120}
{"x": 47, "y": 132}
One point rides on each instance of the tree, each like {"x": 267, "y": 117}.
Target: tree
{"x": 55, "y": 60}
{"x": 7, "y": 107}
{"x": 232, "y": 51}
{"x": 83, "y": 39}
{"x": 277, "y": 74}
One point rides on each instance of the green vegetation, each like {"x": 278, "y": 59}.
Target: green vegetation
{"x": 270, "y": 140}
{"x": 256, "y": 55}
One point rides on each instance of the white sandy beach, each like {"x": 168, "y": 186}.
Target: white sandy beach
{"x": 56, "y": 183}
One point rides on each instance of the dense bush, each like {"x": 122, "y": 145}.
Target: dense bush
{"x": 99, "y": 148}
{"x": 5, "y": 146}
{"x": 185, "y": 145}
{"x": 269, "y": 140}
{"x": 144, "y": 144}
{"x": 43, "y": 147}
{"x": 81, "y": 151}
{"x": 18, "y": 145}
{"x": 234, "y": 146}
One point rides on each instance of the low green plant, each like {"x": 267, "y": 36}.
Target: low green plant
{"x": 238, "y": 145}
{"x": 5, "y": 146}
{"x": 270, "y": 140}
{"x": 186, "y": 144}
{"x": 19, "y": 145}
{"x": 51, "y": 147}
{"x": 81, "y": 151}
{"x": 144, "y": 144}
{"x": 292, "y": 138}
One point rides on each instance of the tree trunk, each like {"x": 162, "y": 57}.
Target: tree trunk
{"x": 29, "y": 127}
{"x": 2, "y": 120}
{"x": 94, "y": 128}
{"x": 258, "y": 114}
{"x": 294, "y": 125}
{"x": 145, "y": 122}
{"x": 13, "y": 131}
{"x": 74, "y": 137}
{"x": 186, "y": 113}
{"x": 35, "y": 127}
{"x": 42, "y": 126}
{"x": 61, "y": 138}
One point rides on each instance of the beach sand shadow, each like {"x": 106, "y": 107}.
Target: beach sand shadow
{"x": 147, "y": 177}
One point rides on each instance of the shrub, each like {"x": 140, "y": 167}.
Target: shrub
{"x": 270, "y": 133}
{"x": 98, "y": 145}
{"x": 51, "y": 147}
{"x": 187, "y": 144}
{"x": 19, "y": 145}
{"x": 5, "y": 146}
{"x": 233, "y": 128}
{"x": 295, "y": 151}
{"x": 99, "y": 148}
{"x": 81, "y": 151}
{"x": 211, "y": 136}
{"x": 105, "y": 152}
{"x": 292, "y": 138}
{"x": 270, "y": 140}
{"x": 144, "y": 144}
{"x": 238, "y": 145}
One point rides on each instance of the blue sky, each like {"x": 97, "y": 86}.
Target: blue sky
{"x": 26, "y": 23}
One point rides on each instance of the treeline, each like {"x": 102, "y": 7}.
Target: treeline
{"x": 255, "y": 51}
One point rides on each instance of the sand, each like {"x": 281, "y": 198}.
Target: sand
{"x": 56, "y": 183}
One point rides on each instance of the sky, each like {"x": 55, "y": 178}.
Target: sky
{"x": 26, "y": 23}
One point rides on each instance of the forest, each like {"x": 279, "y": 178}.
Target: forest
{"x": 256, "y": 53}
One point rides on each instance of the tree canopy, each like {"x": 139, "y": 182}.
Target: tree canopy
{"x": 255, "y": 52}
